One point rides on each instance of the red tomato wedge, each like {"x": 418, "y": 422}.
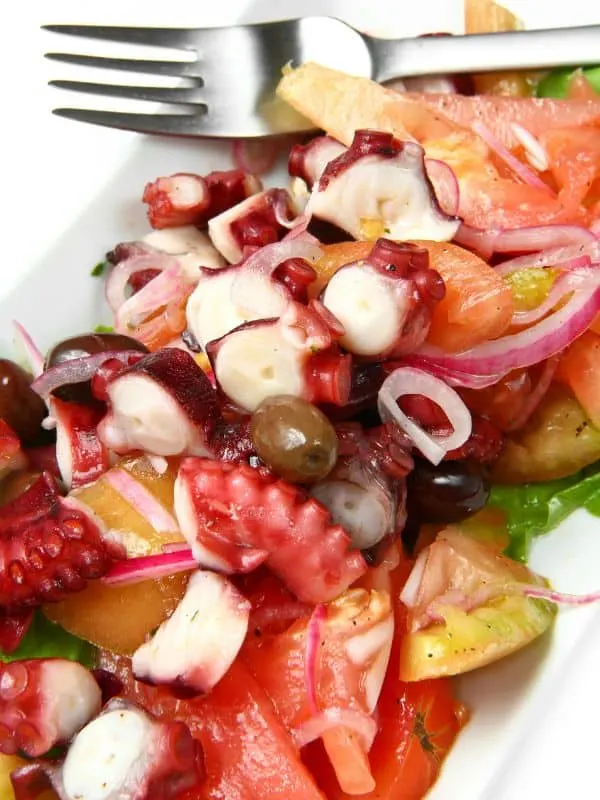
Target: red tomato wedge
{"x": 579, "y": 368}
{"x": 537, "y": 115}
{"x": 248, "y": 753}
{"x": 343, "y": 679}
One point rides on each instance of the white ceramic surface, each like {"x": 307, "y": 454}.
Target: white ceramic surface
{"x": 71, "y": 191}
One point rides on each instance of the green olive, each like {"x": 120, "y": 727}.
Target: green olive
{"x": 294, "y": 439}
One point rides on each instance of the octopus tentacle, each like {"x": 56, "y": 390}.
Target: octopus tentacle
{"x": 37, "y": 710}
{"x": 235, "y": 517}
{"x": 49, "y": 547}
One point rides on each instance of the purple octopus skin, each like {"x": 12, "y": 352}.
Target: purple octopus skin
{"x": 165, "y": 405}
{"x": 44, "y": 702}
{"x": 385, "y": 302}
{"x": 49, "y": 547}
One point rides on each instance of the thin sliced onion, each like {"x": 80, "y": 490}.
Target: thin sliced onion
{"x": 560, "y": 598}
{"x": 79, "y": 370}
{"x": 160, "y": 291}
{"x": 358, "y": 722}
{"x": 537, "y": 395}
{"x": 569, "y": 281}
{"x": 145, "y": 568}
{"x": 522, "y": 171}
{"x": 534, "y": 151}
{"x": 255, "y": 156}
{"x": 410, "y": 590}
{"x": 453, "y": 377}
{"x": 116, "y": 284}
{"x": 142, "y": 500}
{"x": 175, "y": 547}
{"x": 35, "y": 358}
{"x": 595, "y": 228}
{"x": 408, "y": 380}
{"x": 563, "y": 257}
{"x": 445, "y": 185}
{"x": 532, "y": 345}
{"x": 522, "y": 240}
{"x": 429, "y": 84}
{"x": 311, "y": 656}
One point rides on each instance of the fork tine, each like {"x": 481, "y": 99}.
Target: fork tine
{"x": 158, "y": 37}
{"x": 166, "y": 124}
{"x": 191, "y": 96}
{"x": 176, "y": 69}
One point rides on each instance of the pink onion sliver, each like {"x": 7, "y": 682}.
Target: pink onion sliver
{"x": 452, "y": 377}
{"x": 358, "y": 722}
{"x": 158, "y": 292}
{"x": 175, "y": 547}
{"x": 567, "y": 282}
{"x": 311, "y": 656}
{"x": 522, "y": 171}
{"x": 537, "y": 395}
{"x": 79, "y": 370}
{"x": 563, "y": 257}
{"x": 255, "y": 156}
{"x": 34, "y": 356}
{"x": 532, "y": 345}
{"x": 535, "y": 153}
{"x": 595, "y": 228}
{"x": 142, "y": 500}
{"x": 560, "y": 598}
{"x": 541, "y": 237}
{"x": 408, "y": 380}
{"x": 145, "y": 568}
{"x": 445, "y": 185}
{"x": 116, "y": 284}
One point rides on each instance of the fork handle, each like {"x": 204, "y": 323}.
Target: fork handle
{"x": 484, "y": 52}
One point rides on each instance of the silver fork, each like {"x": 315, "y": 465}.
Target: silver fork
{"x": 231, "y": 83}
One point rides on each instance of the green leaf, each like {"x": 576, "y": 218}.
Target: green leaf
{"x": 99, "y": 269}
{"x": 536, "y": 508}
{"x": 104, "y": 329}
{"x": 45, "y": 639}
{"x": 556, "y": 83}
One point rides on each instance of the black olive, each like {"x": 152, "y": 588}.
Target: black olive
{"x": 86, "y": 344}
{"x": 20, "y": 406}
{"x": 447, "y": 493}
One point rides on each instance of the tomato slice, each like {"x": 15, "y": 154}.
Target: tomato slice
{"x": 248, "y": 753}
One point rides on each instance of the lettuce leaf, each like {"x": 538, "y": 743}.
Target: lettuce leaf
{"x": 45, "y": 639}
{"x": 535, "y": 508}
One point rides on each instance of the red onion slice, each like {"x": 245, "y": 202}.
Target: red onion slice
{"x": 255, "y": 156}
{"x": 175, "y": 547}
{"x": 453, "y": 377}
{"x": 569, "y": 281}
{"x": 522, "y": 240}
{"x": 311, "y": 657}
{"x": 537, "y": 395}
{"x": 159, "y": 292}
{"x": 356, "y": 721}
{"x": 142, "y": 500}
{"x": 534, "y": 151}
{"x": 79, "y": 370}
{"x": 523, "y": 172}
{"x": 34, "y": 356}
{"x": 445, "y": 185}
{"x": 560, "y": 598}
{"x": 144, "y": 568}
{"x": 408, "y": 380}
{"x": 532, "y": 345}
{"x": 595, "y": 228}
{"x": 116, "y": 284}
{"x": 563, "y": 257}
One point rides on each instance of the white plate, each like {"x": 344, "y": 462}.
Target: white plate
{"x": 69, "y": 192}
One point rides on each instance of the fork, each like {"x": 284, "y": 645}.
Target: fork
{"x": 231, "y": 83}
